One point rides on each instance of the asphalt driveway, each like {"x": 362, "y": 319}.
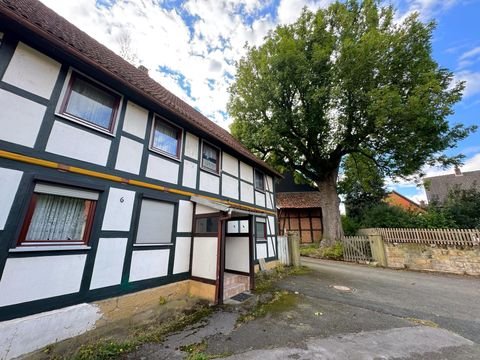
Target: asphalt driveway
{"x": 346, "y": 311}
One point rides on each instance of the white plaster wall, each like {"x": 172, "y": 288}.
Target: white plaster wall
{"x": 118, "y": 213}
{"x": 259, "y": 198}
{"x": 191, "y": 146}
{"x": 163, "y": 170}
{"x": 30, "y": 333}
{"x": 261, "y": 251}
{"x": 108, "y": 267}
{"x": 40, "y": 277}
{"x": 135, "y": 121}
{"x": 209, "y": 183}
{"x": 32, "y": 71}
{"x": 246, "y": 172}
{"x": 202, "y": 209}
{"x": 148, "y": 264}
{"x": 189, "y": 174}
{"x": 229, "y": 186}
{"x": 269, "y": 183}
{"x": 230, "y": 164}
{"x": 204, "y": 257}
{"x": 244, "y": 226}
{"x": 182, "y": 255}
{"x": 20, "y": 119}
{"x": 270, "y": 200}
{"x": 9, "y": 182}
{"x": 237, "y": 254}
{"x": 246, "y": 192}
{"x": 129, "y": 156}
{"x": 233, "y": 227}
{"x": 271, "y": 246}
{"x": 271, "y": 226}
{"x": 185, "y": 216}
{"x": 82, "y": 145}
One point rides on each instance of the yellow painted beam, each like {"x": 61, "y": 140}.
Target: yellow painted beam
{"x": 100, "y": 175}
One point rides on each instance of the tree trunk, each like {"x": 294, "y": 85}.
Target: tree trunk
{"x": 330, "y": 202}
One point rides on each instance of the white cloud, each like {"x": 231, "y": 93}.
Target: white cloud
{"x": 429, "y": 8}
{"x": 472, "y": 79}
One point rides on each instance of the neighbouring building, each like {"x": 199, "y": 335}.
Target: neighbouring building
{"x": 438, "y": 187}
{"x": 299, "y": 210}
{"x": 396, "y": 199}
{"x": 110, "y": 184}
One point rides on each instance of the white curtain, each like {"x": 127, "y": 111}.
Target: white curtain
{"x": 210, "y": 155}
{"x": 165, "y": 138}
{"x": 91, "y": 103}
{"x": 58, "y": 218}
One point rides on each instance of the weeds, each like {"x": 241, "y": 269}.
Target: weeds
{"x": 334, "y": 252}
{"x": 110, "y": 348}
{"x": 281, "y": 301}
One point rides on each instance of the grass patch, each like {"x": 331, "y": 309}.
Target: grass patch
{"x": 334, "y": 252}
{"x": 110, "y": 348}
{"x": 197, "y": 352}
{"x": 280, "y": 301}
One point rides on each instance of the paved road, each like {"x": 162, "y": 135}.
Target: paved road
{"x": 385, "y": 314}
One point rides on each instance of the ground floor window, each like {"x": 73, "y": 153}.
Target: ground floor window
{"x": 58, "y": 215}
{"x": 155, "y": 225}
{"x": 206, "y": 224}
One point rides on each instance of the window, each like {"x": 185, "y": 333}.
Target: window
{"x": 58, "y": 216}
{"x": 156, "y": 222}
{"x": 90, "y": 103}
{"x": 166, "y": 138}
{"x": 210, "y": 158}
{"x": 206, "y": 225}
{"x": 261, "y": 230}
{"x": 259, "y": 180}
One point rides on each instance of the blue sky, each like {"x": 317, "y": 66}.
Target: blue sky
{"x": 191, "y": 46}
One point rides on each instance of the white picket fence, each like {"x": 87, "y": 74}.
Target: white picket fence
{"x": 283, "y": 253}
{"x": 456, "y": 237}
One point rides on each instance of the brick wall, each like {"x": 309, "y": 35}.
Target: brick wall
{"x": 450, "y": 259}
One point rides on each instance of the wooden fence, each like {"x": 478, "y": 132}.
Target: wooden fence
{"x": 357, "y": 249}
{"x": 455, "y": 237}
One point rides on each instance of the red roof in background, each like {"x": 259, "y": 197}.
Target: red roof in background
{"x": 38, "y": 18}
{"x": 298, "y": 200}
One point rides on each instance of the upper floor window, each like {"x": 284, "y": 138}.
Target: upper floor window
{"x": 90, "y": 103}
{"x": 259, "y": 180}
{"x": 58, "y": 215}
{"x": 166, "y": 138}
{"x": 210, "y": 157}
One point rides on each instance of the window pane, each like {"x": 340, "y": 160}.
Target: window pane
{"x": 91, "y": 103}
{"x": 260, "y": 230}
{"x": 209, "y": 157}
{"x": 58, "y": 218}
{"x": 259, "y": 183}
{"x": 206, "y": 225}
{"x": 156, "y": 220}
{"x": 165, "y": 138}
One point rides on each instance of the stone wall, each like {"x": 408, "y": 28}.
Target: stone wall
{"x": 449, "y": 259}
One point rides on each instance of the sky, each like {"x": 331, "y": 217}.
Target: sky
{"x": 191, "y": 47}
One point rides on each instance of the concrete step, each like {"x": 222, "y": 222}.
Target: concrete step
{"x": 233, "y": 289}
{"x": 235, "y": 279}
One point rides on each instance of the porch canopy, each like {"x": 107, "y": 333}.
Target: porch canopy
{"x": 231, "y": 208}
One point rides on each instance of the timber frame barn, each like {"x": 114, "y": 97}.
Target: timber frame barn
{"x": 110, "y": 184}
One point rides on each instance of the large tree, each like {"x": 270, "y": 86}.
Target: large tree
{"x": 348, "y": 79}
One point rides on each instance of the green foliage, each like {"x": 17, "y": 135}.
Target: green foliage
{"x": 460, "y": 210}
{"x": 362, "y": 184}
{"x": 463, "y": 207}
{"x": 348, "y": 79}
{"x": 350, "y": 226}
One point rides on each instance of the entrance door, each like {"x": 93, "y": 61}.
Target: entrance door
{"x": 236, "y": 257}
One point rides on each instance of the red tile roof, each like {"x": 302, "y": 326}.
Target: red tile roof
{"x": 298, "y": 200}
{"x": 33, "y": 16}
